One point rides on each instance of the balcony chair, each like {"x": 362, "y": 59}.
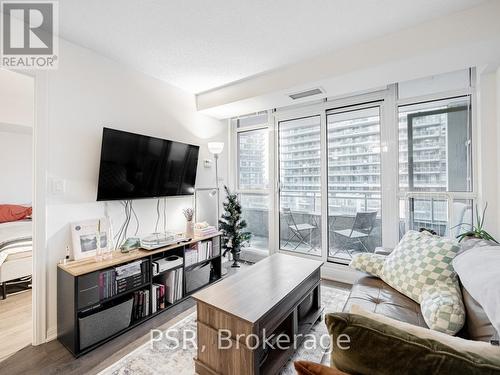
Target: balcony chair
{"x": 301, "y": 232}
{"x": 361, "y": 230}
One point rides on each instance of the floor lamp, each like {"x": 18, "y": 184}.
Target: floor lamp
{"x": 215, "y": 148}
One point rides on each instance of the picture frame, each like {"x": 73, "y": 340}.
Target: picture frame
{"x": 84, "y": 236}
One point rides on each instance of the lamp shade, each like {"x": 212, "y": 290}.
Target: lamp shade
{"x": 215, "y": 147}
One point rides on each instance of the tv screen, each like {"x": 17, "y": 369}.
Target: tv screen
{"x": 137, "y": 166}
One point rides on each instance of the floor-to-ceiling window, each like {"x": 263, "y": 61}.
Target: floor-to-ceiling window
{"x": 352, "y": 174}
{"x": 354, "y": 184}
{"x": 252, "y": 143}
{"x": 299, "y": 149}
{"x": 435, "y": 165}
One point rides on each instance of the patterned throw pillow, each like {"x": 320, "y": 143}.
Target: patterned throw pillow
{"x": 442, "y": 307}
{"x": 369, "y": 263}
{"x": 420, "y": 259}
{"x": 420, "y": 267}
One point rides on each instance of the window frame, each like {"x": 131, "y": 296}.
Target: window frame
{"x": 234, "y": 165}
{"x": 389, "y": 160}
{"x": 451, "y": 196}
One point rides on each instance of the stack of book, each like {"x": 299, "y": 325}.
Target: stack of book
{"x": 199, "y": 251}
{"x": 120, "y": 279}
{"x": 206, "y": 231}
{"x": 158, "y": 298}
{"x": 172, "y": 280}
{"x": 140, "y": 307}
{"x": 107, "y": 283}
{"x": 157, "y": 240}
{"x": 132, "y": 275}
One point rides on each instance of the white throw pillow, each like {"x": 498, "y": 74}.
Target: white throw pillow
{"x": 479, "y": 271}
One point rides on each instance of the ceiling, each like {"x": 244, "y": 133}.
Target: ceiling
{"x": 199, "y": 45}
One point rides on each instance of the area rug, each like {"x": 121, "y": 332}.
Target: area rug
{"x": 165, "y": 356}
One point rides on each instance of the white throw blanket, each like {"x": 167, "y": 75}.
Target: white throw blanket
{"x": 479, "y": 272}
{"x": 15, "y": 237}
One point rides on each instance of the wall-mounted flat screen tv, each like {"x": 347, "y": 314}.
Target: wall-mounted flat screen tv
{"x": 137, "y": 166}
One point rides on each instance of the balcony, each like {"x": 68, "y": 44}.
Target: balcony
{"x": 306, "y": 211}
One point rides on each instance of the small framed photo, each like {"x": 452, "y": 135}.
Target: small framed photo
{"x": 85, "y": 234}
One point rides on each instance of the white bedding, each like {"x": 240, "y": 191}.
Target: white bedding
{"x": 15, "y": 238}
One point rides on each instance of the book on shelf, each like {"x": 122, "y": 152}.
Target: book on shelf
{"x": 205, "y": 232}
{"x": 173, "y": 282}
{"x": 158, "y": 297}
{"x": 122, "y": 278}
{"x": 200, "y": 251}
{"x": 140, "y": 305}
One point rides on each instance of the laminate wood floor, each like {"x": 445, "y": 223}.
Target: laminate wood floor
{"x": 53, "y": 358}
{"x": 15, "y": 323}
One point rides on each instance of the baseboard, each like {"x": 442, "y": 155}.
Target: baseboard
{"x": 51, "y": 334}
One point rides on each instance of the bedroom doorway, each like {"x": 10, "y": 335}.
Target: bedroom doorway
{"x": 17, "y": 114}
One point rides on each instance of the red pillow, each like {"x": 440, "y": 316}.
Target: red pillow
{"x": 13, "y": 212}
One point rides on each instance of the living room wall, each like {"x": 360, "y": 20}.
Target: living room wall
{"x": 85, "y": 93}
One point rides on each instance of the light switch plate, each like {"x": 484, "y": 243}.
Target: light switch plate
{"x": 207, "y": 163}
{"x": 58, "y": 186}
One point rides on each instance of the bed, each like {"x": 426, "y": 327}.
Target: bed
{"x": 16, "y": 247}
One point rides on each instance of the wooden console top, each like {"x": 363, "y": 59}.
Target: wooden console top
{"x": 252, "y": 292}
{"x": 84, "y": 266}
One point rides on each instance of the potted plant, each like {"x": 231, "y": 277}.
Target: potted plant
{"x": 232, "y": 226}
{"x": 476, "y": 231}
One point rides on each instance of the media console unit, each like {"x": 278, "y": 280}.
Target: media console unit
{"x": 94, "y": 305}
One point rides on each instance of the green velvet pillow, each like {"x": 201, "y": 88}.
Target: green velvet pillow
{"x": 380, "y": 345}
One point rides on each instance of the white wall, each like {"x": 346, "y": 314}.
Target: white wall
{"x": 488, "y": 136}
{"x": 16, "y": 99}
{"x": 16, "y": 158}
{"x": 16, "y": 127}
{"x": 86, "y": 93}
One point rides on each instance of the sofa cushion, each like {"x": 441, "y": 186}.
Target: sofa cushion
{"x": 478, "y": 326}
{"x": 380, "y": 345}
{"x": 479, "y": 271}
{"x": 376, "y": 296}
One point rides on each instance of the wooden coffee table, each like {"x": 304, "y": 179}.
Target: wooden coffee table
{"x": 278, "y": 295}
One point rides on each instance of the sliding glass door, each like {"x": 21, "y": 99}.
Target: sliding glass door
{"x": 299, "y": 151}
{"x": 354, "y": 182}
{"x": 252, "y": 181}
{"x": 253, "y": 151}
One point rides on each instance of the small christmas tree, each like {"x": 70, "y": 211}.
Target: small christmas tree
{"x": 232, "y": 226}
